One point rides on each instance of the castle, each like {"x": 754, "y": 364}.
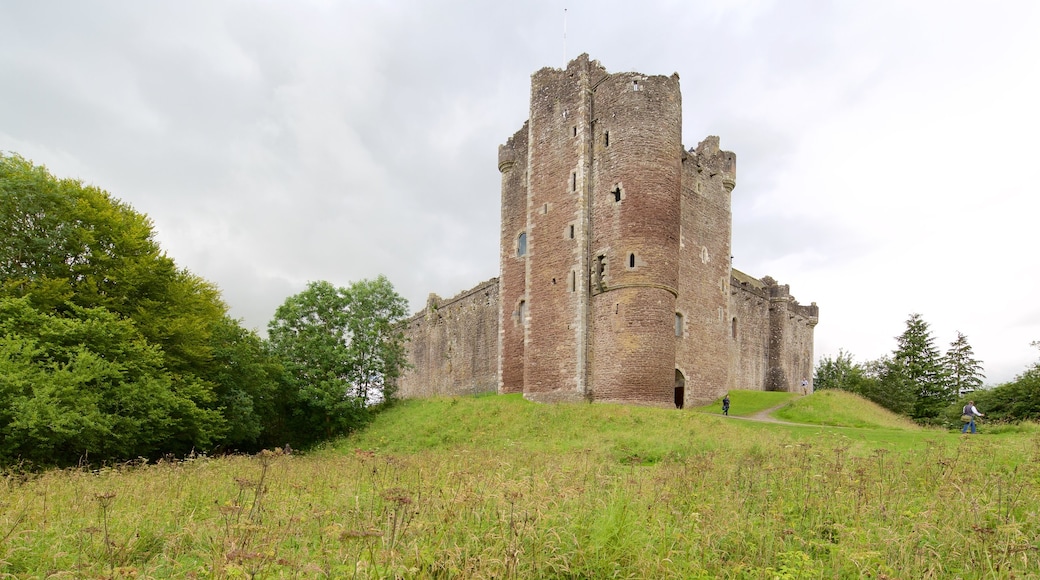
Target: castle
{"x": 615, "y": 279}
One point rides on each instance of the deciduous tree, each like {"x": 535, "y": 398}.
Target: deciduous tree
{"x": 341, "y": 349}
{"x": 69, "y": 248}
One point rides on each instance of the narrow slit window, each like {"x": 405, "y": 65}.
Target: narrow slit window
{"x": 574, "y": 129}
{"x": 678, "y": 324}
{"x": 574, "y": 281}
{"x": 617, "y": 194}
{"x": 734, "y": 329}
{"x": 606, "y": 138}
{"x": 631, "y": 260}
{"x": 572, "y": 231}
{"x": 574, "y": 181}
{"x": 521, "y": 312}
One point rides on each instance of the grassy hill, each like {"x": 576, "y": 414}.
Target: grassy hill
{"x": 498, "y": 487}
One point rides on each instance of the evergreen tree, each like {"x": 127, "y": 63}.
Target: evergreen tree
{"x": 918, "y": 365}
{"x": 962, "y": 370}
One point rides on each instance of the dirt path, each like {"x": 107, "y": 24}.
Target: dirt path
{"x": 765, "y": 416}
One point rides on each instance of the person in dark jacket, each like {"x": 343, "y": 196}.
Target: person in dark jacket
{"x": 971, "y": 412}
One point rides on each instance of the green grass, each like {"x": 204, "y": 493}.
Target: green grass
{"x": 498, "y": 487}
{"x": 841, "y": 409}
{"x": 748, "y": 403}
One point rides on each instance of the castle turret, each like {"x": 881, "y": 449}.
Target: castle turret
{"x": 555, "y": 352}
{"x": 512, "y": 163}
{"x": 634, "y": 245}
{"x": 706, "y": 344}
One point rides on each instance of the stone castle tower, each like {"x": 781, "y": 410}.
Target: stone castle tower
{"x": 615, "y": 281}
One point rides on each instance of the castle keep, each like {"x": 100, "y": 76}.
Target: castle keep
{"x": 615, "y": 279}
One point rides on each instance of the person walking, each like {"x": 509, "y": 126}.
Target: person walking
{"x": 970, "y": 412}
{"x": 725, "y": 404}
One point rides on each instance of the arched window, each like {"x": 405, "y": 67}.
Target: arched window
{"x": 521, "y": 244}
{"x": 521, "y": 312}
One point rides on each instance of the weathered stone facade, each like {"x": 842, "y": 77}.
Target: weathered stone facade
{"x": 615, "y": 281}
{"x": 453, "y": 345}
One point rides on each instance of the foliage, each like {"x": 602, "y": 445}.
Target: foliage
{"x": 840, "y": 373}
{"x": 917, "y": 365}
{"x": 342, "y": 350}
{"x": 888, "y": 386}
{"x": 88, "y": 386}
{"x": 75, "y": 253}
{"x": 962, "y": 370}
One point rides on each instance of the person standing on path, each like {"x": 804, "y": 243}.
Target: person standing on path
{"x": 971, "y": 412}
{"x": 725, "y": 404}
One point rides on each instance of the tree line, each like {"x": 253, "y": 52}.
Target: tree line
{"x": 918, "y": 381}
{"x": 109, "y": 351}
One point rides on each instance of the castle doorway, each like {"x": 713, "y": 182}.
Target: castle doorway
{"x": 680, "y": 389}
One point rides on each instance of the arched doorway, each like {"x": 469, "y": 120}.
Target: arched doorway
{"x": 680, "y": 389}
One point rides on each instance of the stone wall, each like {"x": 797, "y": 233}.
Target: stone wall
{"x": 452, "y": 345}
{"x": 773, "y": 336}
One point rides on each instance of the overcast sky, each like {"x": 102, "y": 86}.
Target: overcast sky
{"x": 887, "y": 150}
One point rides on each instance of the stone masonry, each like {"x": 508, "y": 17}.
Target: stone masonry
{"x": 615, "y": 282}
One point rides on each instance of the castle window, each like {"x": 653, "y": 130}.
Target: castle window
{"x": 617, "y": 194}
{"x": 734, "y": 329}
{"x": 575, "y": 130}
{"x": 521, "y": 312}
{"x": 574, "y": 181}
{"x": 678, "y": 324}
{"x": 572, "y": 231}
{"x": 574, "y": 281}
{"x": 631, "y": 260}
{"x": 521, "y": 244}
{"x": 635, "y": 85}
{"x": 606, "y": 138}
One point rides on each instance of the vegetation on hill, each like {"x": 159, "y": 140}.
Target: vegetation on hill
{"x": 110, "y": 352}
{"x": 841, "y": 409}
{"x": 915, "y": 380}
{"x": 499, "y": 487}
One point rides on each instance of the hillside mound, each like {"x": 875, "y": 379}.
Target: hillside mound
{"x": 842, "y": 409}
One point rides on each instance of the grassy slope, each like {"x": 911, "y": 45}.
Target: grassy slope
{"x": 842, "y": 409}
{"x": 496, "y": 486}
{"x": 747, "y": 403}
{"x": 627, "y": 433}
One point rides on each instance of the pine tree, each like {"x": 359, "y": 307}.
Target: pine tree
{"x": 918, "y": 362}
{"x": 963, "y": 371}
